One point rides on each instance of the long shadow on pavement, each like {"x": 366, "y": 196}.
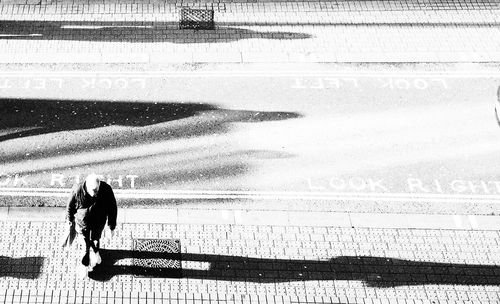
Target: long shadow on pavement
{"x": 21, "y": 268}
{"x": 121, "y": 31}
{"x": 374, "y": 271}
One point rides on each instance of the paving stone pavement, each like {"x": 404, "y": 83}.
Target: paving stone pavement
{"x": 254, "y": 264}
{"x": 251, "y": 31}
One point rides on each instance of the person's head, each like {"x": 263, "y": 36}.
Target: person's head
{"x": 92, "y": 183}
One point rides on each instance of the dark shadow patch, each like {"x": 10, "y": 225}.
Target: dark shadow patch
{"x": 162, "y": 121}
{"x": 138, "y": 32}
{"x": 108, "y": 268}
{"x": 145, "y": 267}
{"x": 374, "y": 271}
{"x": 21, "y": 268}
{"x": 34, "y": 130}
{"x": 229, "y": 168}
{"x": 258, "y": 116}
{"x": 28, "y": 117}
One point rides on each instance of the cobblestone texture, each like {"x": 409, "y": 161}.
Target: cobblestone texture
{"x": 336, "y": 31}
{"x": 247, "y": 264}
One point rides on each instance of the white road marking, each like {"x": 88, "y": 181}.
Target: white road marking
{"x": 260, "y": 195}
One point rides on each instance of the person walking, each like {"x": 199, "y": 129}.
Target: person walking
{"x": 92, "y": 203}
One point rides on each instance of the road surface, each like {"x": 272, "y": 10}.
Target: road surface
{"x": 267, "y": 133}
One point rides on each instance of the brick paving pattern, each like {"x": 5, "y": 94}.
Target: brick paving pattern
{"x": 252, "y": 31}
{"x": 257, "y": 264}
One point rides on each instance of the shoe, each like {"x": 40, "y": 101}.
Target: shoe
{"x": 86, "y": 259}
{"x": 82, "y": 271}
{"x": 98, "y": 259}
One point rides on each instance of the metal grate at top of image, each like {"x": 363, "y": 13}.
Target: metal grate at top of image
{"x": 197, "y": 19}
{"x": 158, "y": 257}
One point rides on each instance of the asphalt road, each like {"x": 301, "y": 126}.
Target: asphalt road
{"x": 270, "y": 133}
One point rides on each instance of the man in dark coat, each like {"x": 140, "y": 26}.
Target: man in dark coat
{"x": 90, "y": 205}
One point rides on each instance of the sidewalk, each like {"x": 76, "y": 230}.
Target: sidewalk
{"x": 133, "y": 31}
{"x": 264, "y": 260}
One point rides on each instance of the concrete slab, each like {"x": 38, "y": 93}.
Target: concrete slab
{"x": 170, "y": 57}
{"x": 149, "y": 215}
{"x": 36, "y": 214}
{"x": 319, "y": 219}
{"x": 227, "y": 57}
{"x": 124, "y": 58}
{"x": 4, "y": 212}
{"x": 240, "y": 216}
{"x": 485, "y": 222}
{"x": 251, "y": 217}
{"x": 408, "y": 221}
{"x": 205, "y": 216}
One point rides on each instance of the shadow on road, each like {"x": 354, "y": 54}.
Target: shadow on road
{"x": 43, "y": 130}
{"x": 22, "y": 118}
{"x": 31, "y": 117}
{"x": 130, "y": 32}
{"x": 374, "y": 271}
{"x": 21, "y": 268}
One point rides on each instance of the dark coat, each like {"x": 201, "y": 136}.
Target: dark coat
{"x": 90, "y": 214}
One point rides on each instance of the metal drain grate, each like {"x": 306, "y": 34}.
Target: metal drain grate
{"x": 197, "y": 19}
{"x": 157, "y": 257}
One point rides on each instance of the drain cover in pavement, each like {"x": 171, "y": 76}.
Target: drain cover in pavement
{"x": 157, "y": 257}
{"x": 197, "y": 19}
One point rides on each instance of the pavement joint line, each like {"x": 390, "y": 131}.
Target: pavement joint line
{"x": 259, "y": 195}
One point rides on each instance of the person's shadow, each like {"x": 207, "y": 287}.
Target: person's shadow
{"x": 21, "y": 268}
{"x": 374, "y": 271}
{"x": 128, "y": 31}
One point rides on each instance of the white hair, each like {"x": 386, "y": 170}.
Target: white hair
{"x": 92, "y": 181}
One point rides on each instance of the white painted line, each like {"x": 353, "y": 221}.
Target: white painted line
{"x": 260, "y": 195}
{"x": 260, "y": 73}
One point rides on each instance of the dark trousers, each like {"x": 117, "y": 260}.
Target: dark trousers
{"x": 90, "y": 241}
